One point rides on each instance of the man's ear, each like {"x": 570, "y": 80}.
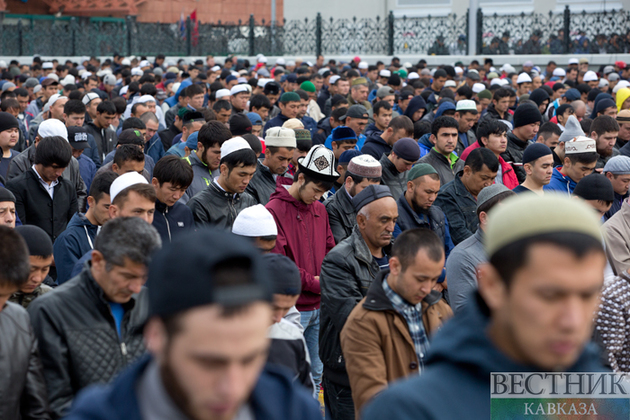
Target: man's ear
{"x": 433, "y": 139}
{"x": 491, "y": 287}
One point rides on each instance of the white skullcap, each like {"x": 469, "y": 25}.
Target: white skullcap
{"x": 559, "y": 72}
{"x": 125, "y": 62}
{"x": 125, "y": 181}
{"x": 145, "y": 63}
{"x": 215, "y": 69}
{"x": 238, "y": 89}
{"x": 146, "y": 98}
{"x": 413, "y": 75}
{"x": 262, "y": 59}
{"x": 363, "y": 65}
{"x": 450, "y": 83}
{"x": 385, "y": 73}
{"x": 523, "y": 78}
{"x": 459, "y": 70}
{"x": 53, "y": 76}
{"x": 262, "y": 82}
{"x": 52, "y": 127}
{"x": 68, "y": 80}
{"x": 466, "y": 105}
{"x": 590, "y": 76}
{"x": 280, "y": 137}
{"x": 620, "y": 85}
{"x": 255, "y": 222}
{"x": 51, "y": 101}
{"x": 280, "y": 61}
{"x": 508, "y": 68}
{"x": 574, "y": 61}
{"x": 579, "y": 144}
{"x": 123, "y": 90}
{"x": 47, "y": 65}
{"x": 222, "y": 93}
{"x": 89, "y": 97}
{"x": 136, "y": 71}
{"x": 85, "y": 75}
{"x": 234, "y": 145}
{"x": 478, "y": 87}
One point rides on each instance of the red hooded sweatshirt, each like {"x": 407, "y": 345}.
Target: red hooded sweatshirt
{"x": 304, "y": 235}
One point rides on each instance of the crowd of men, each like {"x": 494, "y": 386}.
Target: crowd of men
{"x": 196, "y": 240}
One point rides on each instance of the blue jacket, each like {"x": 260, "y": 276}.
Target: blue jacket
{"x": 375, "y": 146}
{"x": 87, "y": 168}
{"x": 310, "y": 124}
{"x": 92, "y": 152}
{"x": 172, "y": 221}
{"x": 277, "y": 121}
{"x": 155, "y": 149}
{"x": 372, "y": 130}
{"x": 459, "y": 363}
{"x": 361, "y": 139}
{"x": 425, "y": 144}
{"x": 72, "y": 244}
{"x": 560, "y": 183}
{"x": 274, "y": 397}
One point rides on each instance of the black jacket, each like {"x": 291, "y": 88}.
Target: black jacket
{"x": 375, "y": 146}
{"x": 106, "y": 139}
{"x": 347, "y": 273}
{"x": 396, "y": 181}
{"x": 167, "y": 136}
{"x": 77, "y": 337}
{"x": 172, "y": 221}
{"x": 22, "y": 387}
{"x": 514, "y": 156}
{"x": 341, "y": 214}
{"x": 442, "y": 165}
{"x": 262, "y": 184}
{"x": 35, "y": 207}
{"x": 492, "y": 113}
{"x": 23, "y": 162}
{"x": 460, "y": 208}
{"x": 215, "y": 207}
{"x": 408, "y": 219}
{"x": 323, "y": 131}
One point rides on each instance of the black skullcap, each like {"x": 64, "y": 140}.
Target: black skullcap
{"x": 8, "y": 121}
{"x": 535, "y": 151}
{"x": 240, "y": 124}
{"x": 6, "y": 195}
{"x": 284, "y": 274}
{"x": 182, "y": 275}
{"x": 37, "y": 240}
{"x": 595, "y": 187}
{"x": 131, "y": 136}
{"x": 369, "y": 194}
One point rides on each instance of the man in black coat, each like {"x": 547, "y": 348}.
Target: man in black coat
{"x": 22, "y": 383}
{"x": 43, "y": 197}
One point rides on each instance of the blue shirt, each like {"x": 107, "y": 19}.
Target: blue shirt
{"x": 383, "y": 262}
{"x": 117, "y": 312}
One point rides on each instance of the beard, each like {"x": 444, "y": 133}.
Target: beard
{"x": 418, "y": 209}
{"x": 174, "y": 389}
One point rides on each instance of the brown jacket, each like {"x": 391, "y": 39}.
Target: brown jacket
{"x": 617, "y": 235}
{"x": 376, "y": 342}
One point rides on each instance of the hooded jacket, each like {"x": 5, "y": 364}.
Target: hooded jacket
{"x": 622, "y": 95}
{"x": 78, "y": 341}
{"x": 341, "y": 214}
{"x": 304, "y": 236}
{"x": 215, "y": 207}
{"x": 323, "y": 131}
{"x": 274, "y": 397}
{"x": 105, "y": 138}
{"x": 372, "y": 130}
{"x": 72, "y": 244}
{"x": 514, "y": 155}
{"x": 172, "y": 221}
{"x": 22, "y": 383}
{"x": 262, "y": 184}
{"x": 23, "y": 162}
{"x": 396, "y": 181}
{"x": 416, "y": 103}
{"x": 460, "y": 208}
{"x": 347, "y": 272}
{"x": 491, "y": 112}
{"x": 377, "y": 343}
{"x": 425, "y": 144}
{"x": 375, "y": 146}
{"x": 202, "y": 177}
{"x": 459, "y": 363}
{"x": 560, "y": 183}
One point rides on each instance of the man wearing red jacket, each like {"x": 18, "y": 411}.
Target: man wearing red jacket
{"x": 304, "y": 235}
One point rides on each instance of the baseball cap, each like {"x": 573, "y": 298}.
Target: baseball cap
{"x": 355, "y": 111}
{"x": 78, "y": 138}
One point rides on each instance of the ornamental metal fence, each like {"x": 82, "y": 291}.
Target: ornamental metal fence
{"x": 532, "y": 33}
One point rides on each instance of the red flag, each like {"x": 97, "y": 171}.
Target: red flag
{"x": 195, "y": 30}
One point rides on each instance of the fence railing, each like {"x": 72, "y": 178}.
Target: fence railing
{"x": 566, "y": 32}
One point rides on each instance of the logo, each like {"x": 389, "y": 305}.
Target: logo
{"x": 321, "y": 163}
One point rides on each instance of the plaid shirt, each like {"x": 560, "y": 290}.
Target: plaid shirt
{"x": 413, "y": 316}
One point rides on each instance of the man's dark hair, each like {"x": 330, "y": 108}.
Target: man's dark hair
{"x": 106, "y": 107}
{"x": 127, "y": 238}
{"x": 9, "y": 103}
{"x": 74, "y": 106}
{"x": 134, "y": 107}
{"x": 15, "y": 265}
{"x": 501, "y": 93}
{"x": 193, "y": 90}
{"x": 547, "y": 129}
{"x": 324, "y": 185}
{"x": 442, "y": 122}
{"x": 445, "y": 93}
{"x": 143, "y": 190}
{"x": 439, "y": 73}
{"x": 359, "y": 179}
{"x": 402, "y": 122}
{"x": 260, "y": 101}
{"x": 381, "y": 105}
{"x": 585, "y": 124}
{"x": 221, "y": 104}
{"x": 213, "y": 132}
{"x": 243, "y": 157}
{"x": 465, "y": 91}
{"x": 20, "y": 92}
{"x": 338, "y": 113}
{"x": 101, "y": 184}
{"x": 420, "y": 128}
{"x": 583, "y": 158}
{"x": 302, "y": 94}
{"x": 480, "y": 157}
{"x": 603, "y": 124}
{"x": 174, "y": 170}
{"x": 133, "y": 122}
{"x": 254, "y": 142}
{"x": 411, "y": 241}
{"x": 128, "y": 152}
{"x": 488, "y": 205}
{"x": 148, "y": 89}
{"x": 508, "y": 259}
{"x": 53, "y": 150}
{"x": 490, "y": 126}
{"x": 120, "y": 104}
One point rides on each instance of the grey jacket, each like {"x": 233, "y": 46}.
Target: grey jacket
{"x": 347, "y": 273}
{"x": 460, "y": 208}
{"x": 202, "y": 177}
{"x": 341, "y": 214}
{"x": 461, "y": 270}
{"x": 443, "y": 167}
{"x": 217, "y": 208}
{"x": 262, "y": 184}
{"x": 23, "y": 162}
{"x": 396, "y": 181}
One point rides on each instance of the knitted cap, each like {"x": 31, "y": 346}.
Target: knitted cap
{"x": 535, "y": 151}
{"x": 526, "y": 114}
{"x": 407, "y": 149}
{"x": 280, "y": 137}
{"x": 419, "y": 170}
{"x": 595, "y": 187}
